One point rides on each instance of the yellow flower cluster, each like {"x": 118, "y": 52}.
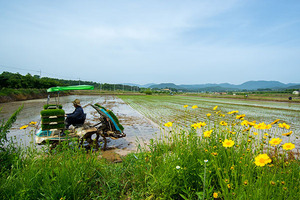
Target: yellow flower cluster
{"x": 247, "y": 123}
{"x": 284, "y": 125}
{"x": 194, "y": 106}
{"x": 185, "y": 106}
{"x": 215, "y": 108}
{"x": 233, "y": 112}
{"x": 263, "y": 126}
{"x": 198, "y": 125}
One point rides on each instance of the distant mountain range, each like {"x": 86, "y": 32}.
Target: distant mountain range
{"x": 249, "y": 85}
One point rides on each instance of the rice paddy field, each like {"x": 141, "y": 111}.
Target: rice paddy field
{"x": 206, "y": 148}
{"x": 161, "y": 109}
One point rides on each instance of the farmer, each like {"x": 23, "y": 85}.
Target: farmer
{"x": 77, "y": 117}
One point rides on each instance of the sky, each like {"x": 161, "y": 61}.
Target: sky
{"x": 163, "y": 41}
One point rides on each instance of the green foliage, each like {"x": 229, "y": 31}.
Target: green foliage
{"x": 148, "y": 92}
{"x": 4, "y": 128}
{"x": 7, "y": 150}
{"x": 18, "y": 81}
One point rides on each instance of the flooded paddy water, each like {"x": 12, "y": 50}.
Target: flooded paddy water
{"x": 137, "y": 128}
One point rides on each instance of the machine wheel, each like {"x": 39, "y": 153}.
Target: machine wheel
{"x": 92, "y": 140}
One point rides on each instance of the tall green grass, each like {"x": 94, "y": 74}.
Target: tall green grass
{"x": 66, "y": 173}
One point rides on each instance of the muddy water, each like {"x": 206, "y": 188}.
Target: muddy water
{"x": 136, "y": 127}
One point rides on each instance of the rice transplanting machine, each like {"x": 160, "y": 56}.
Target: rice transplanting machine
{"x": 53, "y": 129}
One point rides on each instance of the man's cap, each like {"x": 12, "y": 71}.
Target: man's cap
{"x": 76, "y": 102}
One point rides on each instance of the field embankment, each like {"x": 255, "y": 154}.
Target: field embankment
{"x": 279, "y": 97}
{"x": 8, "y": 94}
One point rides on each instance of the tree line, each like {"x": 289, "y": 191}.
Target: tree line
{"x": 18, "y": 81}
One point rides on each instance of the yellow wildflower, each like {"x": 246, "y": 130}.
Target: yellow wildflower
{"x": 169, "y": 124}
{"x": 185, "y": 106}
{"x": 233, "y": 112}
{"x": 262, "y": 159}
{"x": 215, "y": 195}
{"x": 23, "y": 127}
{"x": 288, "y": 146}
{"x": 194, "y": 106}
{"x": 215, "y": 108}
{"x": 244, "y": 123}
{"x": 284, "y": 125}
{"x": 240, "y": 116}
{"x": 262, "y": 126}
{"x": 255, "y": 133}
{"x": 277, "y": 120}
{"x": 228, "y": 143}
{"x": 208, "y": 114}
{"x": 223, "y": 123}
{"x": 198, "y": 125}
{"x": 275, "y": 141}
{"x": 287, "y": 134}
{"x": 251, "y": 123}
{"x": 207, "y": 133}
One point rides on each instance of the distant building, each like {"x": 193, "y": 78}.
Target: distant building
{"x": 168, "y": 90}
{"x": 296, "y": 92}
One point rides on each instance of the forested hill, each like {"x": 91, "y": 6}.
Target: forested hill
{"x": 249, "y": 85}
{"x": 18, "y": 81}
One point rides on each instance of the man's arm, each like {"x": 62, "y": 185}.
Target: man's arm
{"x": 75, "y": 114}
